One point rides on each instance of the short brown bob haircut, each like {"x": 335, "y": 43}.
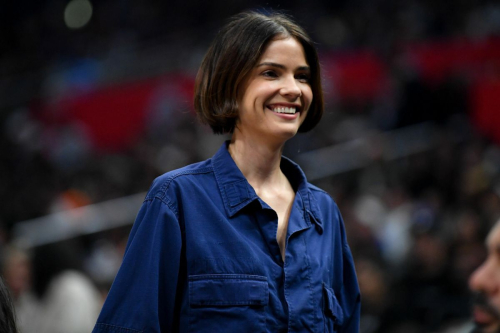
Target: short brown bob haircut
{"x": 233, "y": 53}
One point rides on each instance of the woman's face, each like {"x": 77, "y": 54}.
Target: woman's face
{"x": 276, "y": 95}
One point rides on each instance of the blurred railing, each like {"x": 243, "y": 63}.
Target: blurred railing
{"x": 77, "y": 222}
{"x": 317, "y": 164}
{"x": 359, "y": 153}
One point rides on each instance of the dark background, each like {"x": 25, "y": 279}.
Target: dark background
{"x": 408, "y": 146}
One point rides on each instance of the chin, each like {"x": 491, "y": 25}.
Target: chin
{"x": 289, "y": 131}
{"x": 288, "y": 135}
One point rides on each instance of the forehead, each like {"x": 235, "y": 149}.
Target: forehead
{"x": 287, "y": 48}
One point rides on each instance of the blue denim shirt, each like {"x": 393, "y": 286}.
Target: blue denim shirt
{"x": 202, "y": 256}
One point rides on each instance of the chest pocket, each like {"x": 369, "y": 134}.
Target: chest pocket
{"x": 333, "y": 313}
{"x": 227, "y": 303}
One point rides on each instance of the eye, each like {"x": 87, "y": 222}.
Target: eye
{"x": 303, "y": 77}
{"x": 270, "y": 74}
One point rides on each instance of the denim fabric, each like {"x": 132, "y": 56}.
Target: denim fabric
{"x": 202, "y": 256}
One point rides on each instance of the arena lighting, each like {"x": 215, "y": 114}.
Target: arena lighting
{"x": 77, "y": 13}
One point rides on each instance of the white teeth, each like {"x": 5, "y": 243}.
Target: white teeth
{"x": 281, "y": 109}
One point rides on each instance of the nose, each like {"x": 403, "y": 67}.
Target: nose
{"x": 484, "y": 279}
{"x": 290, "y": 88}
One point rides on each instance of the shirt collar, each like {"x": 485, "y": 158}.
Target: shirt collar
{"x": 235, "y": 190}
{"x": 299, "y": 182}
{"x": 237, "y": 193}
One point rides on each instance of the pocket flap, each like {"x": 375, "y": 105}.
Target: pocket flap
{"x": 333, "y": 308}
{"x": 228, "y": 290}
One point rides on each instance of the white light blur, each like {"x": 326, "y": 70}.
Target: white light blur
{"x": 77, "y": 13}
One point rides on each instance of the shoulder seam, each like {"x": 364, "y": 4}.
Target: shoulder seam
{"x": 161, "y": 193}
{"x": 167, "y": 182}
{"x": 166, "y": 203}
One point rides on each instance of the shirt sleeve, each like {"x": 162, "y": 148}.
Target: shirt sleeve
{"x": 350, "y": 294}
{"x": 142, "y": 297}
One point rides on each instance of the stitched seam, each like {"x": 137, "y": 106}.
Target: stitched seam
{"x": 232, "y": 277}
{"x": 161, "y": 193}
{"x": 222, "y": 190}
{"x": 166, "y": 183}
{"x": 201, "y": 303}
{"x": 166, "y": 203}
{"x": 115, "y": 327}
{"x": 226, "y": 277}
{"x": 184, "y": 173}
{"x": 311, "y": 297}
{"x": 306, "y": 209}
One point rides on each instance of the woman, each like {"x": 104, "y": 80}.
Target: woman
{"x": 241, "y": 242}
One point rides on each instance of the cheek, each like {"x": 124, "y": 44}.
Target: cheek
{"x": 308, "y": 95}
{"x": 265, "y": 90}
{"x": 256, "y": 94}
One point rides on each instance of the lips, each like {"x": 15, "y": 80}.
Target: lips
{"x": 483, "y": 317}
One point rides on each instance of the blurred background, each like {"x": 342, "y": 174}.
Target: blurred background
{"x": 96, "y": 101}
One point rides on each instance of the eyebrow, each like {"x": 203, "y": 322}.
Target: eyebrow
{"x": 273, "y": 64}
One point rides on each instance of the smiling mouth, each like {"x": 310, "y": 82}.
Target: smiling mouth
{"x": 284, "y": 109}
{"x": 485, "y": 314}
{"x": 484, "y": 318}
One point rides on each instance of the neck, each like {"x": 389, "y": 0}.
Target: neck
{"x": 259, "y": 163}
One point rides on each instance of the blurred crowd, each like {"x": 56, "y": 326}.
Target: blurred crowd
{"x": 416, "y": 223}
{"x": 417, "y": 228}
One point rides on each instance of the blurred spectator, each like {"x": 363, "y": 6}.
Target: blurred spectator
{"x": 16, "y": 270}
{"x": 61, "y": 298}
{"x": 104, "y": 259}
{"x": 395, "y": 236}
{"x": 7, "y": 314}
{"x": 485, "y": 283}
{"x": 376, "y": 303}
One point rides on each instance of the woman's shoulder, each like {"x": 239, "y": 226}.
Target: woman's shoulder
{"x": 319, "y": 192}
{"x": 180, "y": 177}
{"x": 321, "y": 197}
